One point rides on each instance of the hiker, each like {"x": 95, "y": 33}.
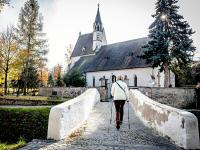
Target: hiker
{"x": 197, "y": 89}
{"x": 120, "y": 94}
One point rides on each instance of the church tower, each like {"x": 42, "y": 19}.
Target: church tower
{"x": 99, "y": 37}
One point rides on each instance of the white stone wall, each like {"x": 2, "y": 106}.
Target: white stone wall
{"x": 68, "y": 116}
{"x": 181, "y": 126}
{"x": 143, "y": 76}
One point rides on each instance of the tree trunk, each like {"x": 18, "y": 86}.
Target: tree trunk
{"x": 166, "y": 74}
{"x": 6, "y": 81}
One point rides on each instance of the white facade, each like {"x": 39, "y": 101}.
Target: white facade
{"x": 143, "y": 77}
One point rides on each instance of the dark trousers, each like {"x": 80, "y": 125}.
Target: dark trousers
{"x": 119, "y": 106}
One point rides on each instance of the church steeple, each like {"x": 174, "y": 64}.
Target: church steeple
{"x": 99, "y": 37}
{"x": 98, "y": 24}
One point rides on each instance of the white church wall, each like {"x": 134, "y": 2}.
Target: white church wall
{"x": 143, "y": 76}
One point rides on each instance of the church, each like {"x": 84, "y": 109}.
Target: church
{"x": 102, "y": 63}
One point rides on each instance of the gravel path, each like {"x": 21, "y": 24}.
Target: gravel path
{"x": 99, "y": 134}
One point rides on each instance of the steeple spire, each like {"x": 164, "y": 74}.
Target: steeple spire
{"x": 99, "y": 37}
{"x": 98, "y": 17}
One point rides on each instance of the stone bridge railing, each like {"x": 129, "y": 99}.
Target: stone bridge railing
{"x": 181, "y": 126}
{"x": 68, "y": 116}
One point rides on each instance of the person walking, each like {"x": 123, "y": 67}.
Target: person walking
{"x": 120, "y": 93}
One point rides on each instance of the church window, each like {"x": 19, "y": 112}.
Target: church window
{"x": 83, "y": 49}
{"x": 135, "y": 81}
{"x": 113, "y": 78}
{"x": 93, "y": 81}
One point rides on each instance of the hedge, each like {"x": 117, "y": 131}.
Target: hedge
{"x": 27, "y": 123}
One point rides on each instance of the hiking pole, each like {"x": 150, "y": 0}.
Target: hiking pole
{"x": 111, "y": 112}
{"x": 128, "y": 116}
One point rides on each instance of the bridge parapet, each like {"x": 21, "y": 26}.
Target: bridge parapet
{"x": 180, "y": 126}
{"x": 70, "y": 115}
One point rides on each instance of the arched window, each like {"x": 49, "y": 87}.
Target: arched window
{"x": 93, "y": 81}
{"x": 135, "y": 81}
{"x": 113, "y": 78}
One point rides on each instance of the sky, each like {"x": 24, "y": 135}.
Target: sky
{"x": 122, "y": 19}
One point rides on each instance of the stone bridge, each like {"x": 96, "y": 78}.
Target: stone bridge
{"x": 84, "y": 123}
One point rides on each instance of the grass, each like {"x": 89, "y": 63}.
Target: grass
{"x": 5, "y": 146}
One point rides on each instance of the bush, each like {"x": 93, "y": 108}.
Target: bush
{"x": 75, "y": 79}
{"x": 27, "y": 123}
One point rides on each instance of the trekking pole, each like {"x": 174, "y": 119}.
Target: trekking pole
{"x": 128, "y": 116}
{"x": 111, "y": 112}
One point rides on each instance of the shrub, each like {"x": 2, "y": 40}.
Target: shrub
{"x": 28, "y": 123}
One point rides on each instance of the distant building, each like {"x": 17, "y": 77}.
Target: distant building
{"x": 102, "y": 63}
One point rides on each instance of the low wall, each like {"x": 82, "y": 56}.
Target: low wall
{"x": 68, "y": 116}
{"x": 181, "y": 126}
{"x": 71, "y": 92}
{"x": 65, "y": 91}
{"x": 175, "y": 97}
{"x": 4, "y": 101}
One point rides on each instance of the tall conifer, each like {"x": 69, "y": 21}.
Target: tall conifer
{"x": 170, "y": 39}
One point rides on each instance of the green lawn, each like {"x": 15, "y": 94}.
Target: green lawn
{"x": 16, "y": 146}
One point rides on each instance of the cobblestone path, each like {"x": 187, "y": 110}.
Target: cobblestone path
{"x": 99, "y": 134}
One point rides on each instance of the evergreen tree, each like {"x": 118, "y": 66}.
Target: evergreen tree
{"x": 51, "y": 80}
{"x": 74, "y": 78}
{"x": 170, "y": 39}
{"x": 30, "y": 36}
{"x": 3, "y": 3}
{"x": 32, "y": 77}
{"x": 59, "y": 81}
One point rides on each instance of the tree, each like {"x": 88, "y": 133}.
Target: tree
{"x": 3, "y": 3}
{"x": 170, "y": 39}
{"x": 9, "y": 50}
{"x": 30, "y": 37}
{"x": 196, "y": 71}
{"x": 59, "y": 81}
{"x": 68, "y": 54}
{"x": 74, "y": 78}
{"x": 50, "y": 80}
{"x": 32, "y": 78}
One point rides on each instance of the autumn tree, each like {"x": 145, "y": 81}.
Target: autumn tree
{"x": 170, "y": 39}
{"x": 31, "y": 37}
{"x": 9, "y": 50}
{"x": 59, "y": 81}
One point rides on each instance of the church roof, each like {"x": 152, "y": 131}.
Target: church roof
{"x": 83, "y": 45}
{"x": 123, "y": 55}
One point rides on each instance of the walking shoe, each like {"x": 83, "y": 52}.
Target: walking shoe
{"x": 118, "y": 125}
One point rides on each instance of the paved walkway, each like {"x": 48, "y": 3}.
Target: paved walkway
{"x": 98, "y": 134}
